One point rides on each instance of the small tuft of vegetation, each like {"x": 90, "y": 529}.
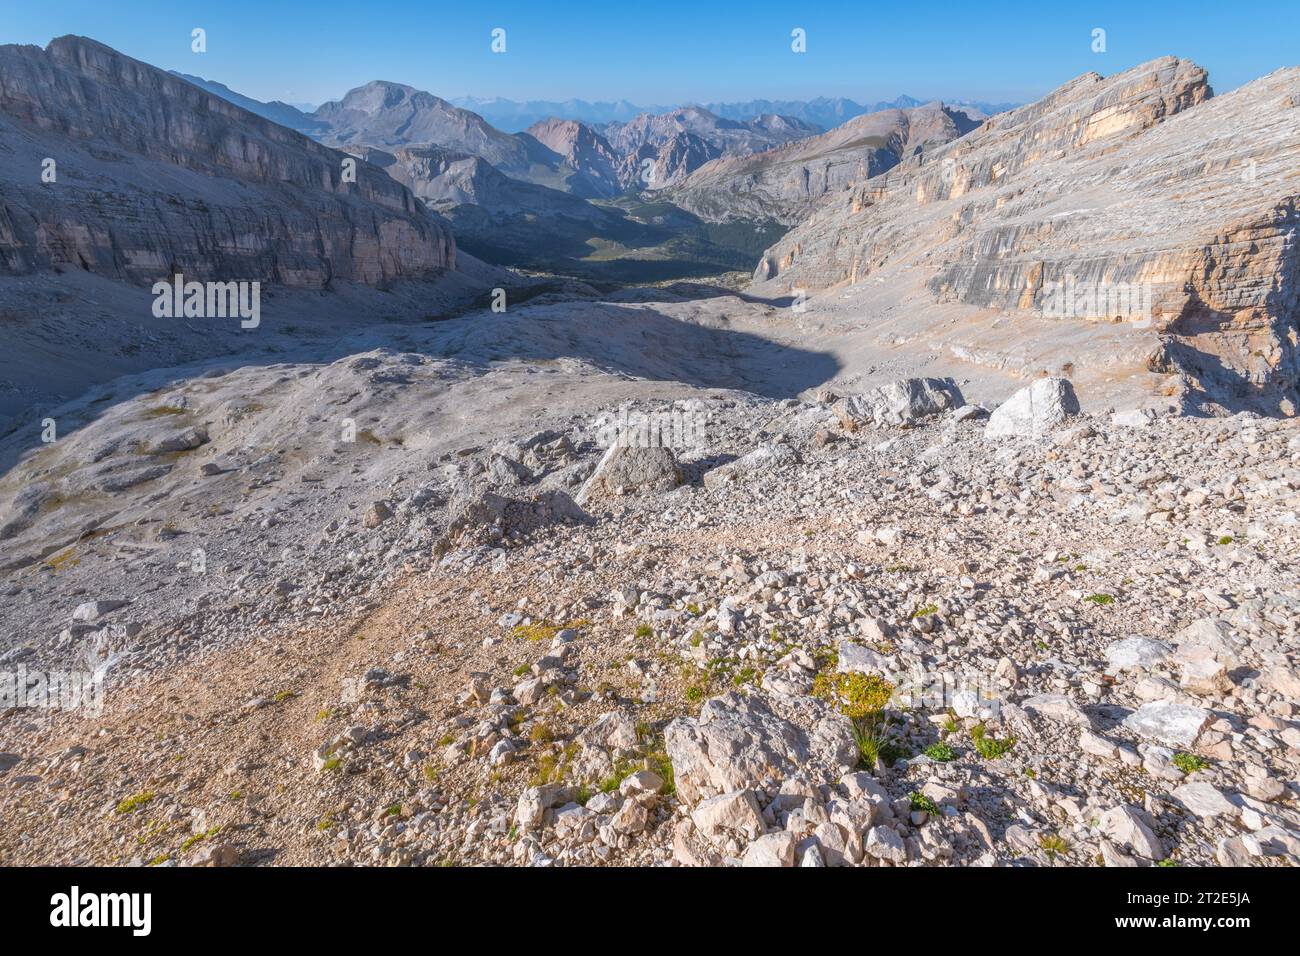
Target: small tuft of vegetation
{"x": 541, "y": 734}
{"x": 862, "y": 698}
{"x": 135, "y": 802}
{"x": 1226, "y": 539}
{"x": 622, "y": 770}
{"x": 925, "y": 611}
{"x": 857, "y": 695}
{"x": 1101, "y": 600}
{"x": 940, "y": 752}
{"x": 199, "y": 838}
{"x": 923, "y": 803}
{"x": 537, "y": 632}
{"x": 1189, "y": 763}
{"x": 553, "y": 767}
{"x": 644, "y": 632}
{"x": 661, "y": 764}
{"x": 990, "y": 748}
{"x": 1053, "y": 845}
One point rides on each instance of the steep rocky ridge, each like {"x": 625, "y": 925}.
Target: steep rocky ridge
{"x": 392, "y": 115}
{"x": 1139, "y": 185}
{"x": 154, "y": 175}
{"x": 275, "y": 110}
{"x": 582, "y": 149}
{"x": 725, "y": 135}
{"x": 658, "y": 165}
{"x": 783, "y": 182}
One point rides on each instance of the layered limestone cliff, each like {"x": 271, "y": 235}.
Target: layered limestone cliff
{"x": 124, "y": 170}
{"x": 1135, "y": 199}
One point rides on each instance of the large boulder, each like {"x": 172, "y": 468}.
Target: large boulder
{"x": 763, "y": 459}
{"x": 739, "y": 742}
{"x": 1034, "y": 411}
{"x": 487, "y": 518}
{"x": 625, "y": 470}
{"x": 902, "y": 403}
{"x": 1169, "y": 722}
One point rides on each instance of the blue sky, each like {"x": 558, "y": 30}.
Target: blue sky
{"x": 665, "y": 51}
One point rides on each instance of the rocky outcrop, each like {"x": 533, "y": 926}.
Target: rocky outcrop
{"x": 741, "y": 741}
{"x": 1136, "y": 199}
{"x": 584, "y": 151}
{"x": 651, "y": 166}
{"x": 153, "y": 175}
{"x": 783, "y": 183}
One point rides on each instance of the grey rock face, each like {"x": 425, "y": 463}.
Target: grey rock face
{"x": 1136, "y": 653}
{"x": 489, "y": 517}
{"x": 445, "y": 178}
{"x": 722, "y": 136}
{"x": 199, "y": 185}
{"x": 654, "y": 166}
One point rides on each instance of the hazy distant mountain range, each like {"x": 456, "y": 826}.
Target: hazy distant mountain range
{"x": 826, "y": 112}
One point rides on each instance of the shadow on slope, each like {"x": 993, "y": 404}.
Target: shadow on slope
{"x": 636, "y": 341}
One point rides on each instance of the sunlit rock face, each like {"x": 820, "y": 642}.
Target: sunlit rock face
{"x": 1135, "y": 199}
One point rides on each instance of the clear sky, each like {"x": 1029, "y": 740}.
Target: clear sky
{"x": 666, "y": 51}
